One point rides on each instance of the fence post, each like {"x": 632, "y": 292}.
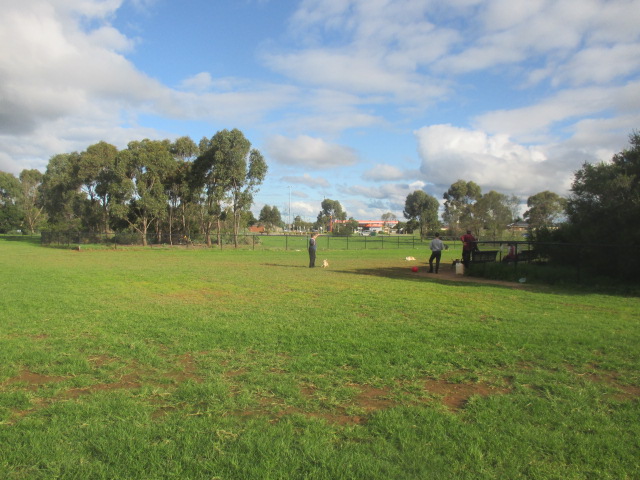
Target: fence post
{"x": 286, "y": 242}
{"x": 579, "y": 263}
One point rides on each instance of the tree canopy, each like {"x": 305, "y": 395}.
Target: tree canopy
{"x": 423, "y": 208}
{"x": 152, "y": 186}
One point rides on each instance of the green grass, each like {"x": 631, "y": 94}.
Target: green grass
{"x": 202, "y": 363}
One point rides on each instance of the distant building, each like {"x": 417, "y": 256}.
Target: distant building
{"x": 373, "y": 225}
{"x": 518, "y": 227}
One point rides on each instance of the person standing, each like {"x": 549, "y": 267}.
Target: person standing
{"x": 436, "y": 252}
{"x": 312, "y": 250}
{"x": 469, "y": 244}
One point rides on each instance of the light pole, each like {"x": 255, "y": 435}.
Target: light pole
{"x": 290, "y": 225}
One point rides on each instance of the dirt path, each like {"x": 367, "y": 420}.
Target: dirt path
{"x": 447, "y": 272}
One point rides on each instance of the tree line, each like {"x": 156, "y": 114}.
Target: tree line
{"x": 601, "y": 211}
{"x": 489, "y": 214}
{"x": 151, "y": 187}
{"x": 183, "y": 188}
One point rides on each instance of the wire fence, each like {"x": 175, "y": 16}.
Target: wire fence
{"x": 581, "y": 260}
{"x": 226, "y": 240}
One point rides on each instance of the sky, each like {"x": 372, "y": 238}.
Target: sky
{"x": 360, "y": 101}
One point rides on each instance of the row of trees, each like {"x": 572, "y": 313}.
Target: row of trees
{"x": 466, "y": 208}
{"x": 160, "y": 187}
{"x": 602, "y": 209}
{"x": 604, "y": 201}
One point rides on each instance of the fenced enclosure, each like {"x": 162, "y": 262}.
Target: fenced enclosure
{"x": 245, "y": 240}
{"x": 554, "y": 262}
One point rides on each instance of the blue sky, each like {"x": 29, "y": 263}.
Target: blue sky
{"x": 360, "y": 101}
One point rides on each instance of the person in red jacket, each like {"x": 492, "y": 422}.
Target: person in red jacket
{"x": 469, "y": 244}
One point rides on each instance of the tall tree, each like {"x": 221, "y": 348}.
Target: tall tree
{"x": 387, "y": 218}
{"x": 423, "y": 208}
{"x": 230, "y": 172}
{"x": 10, "y": 213}
{"x": 95, "y": 172}
{"x": 147, "y": 163}
{"x": 31, "y": 199}
{"x": 208, "y": 185}
{"x": 493, "y": 213}
{"x": 245, "y": 181}
{"x": 602, "y": 208}
{"x": 545, "y": 210}
{"x": 270, "y": 217}
{"x": 458, "y": 205}
{"x": 184, "y": 151}
{"x": 605, "y": 198}
{"x": 331, "y": 211}
{"x": 62, "y": 196}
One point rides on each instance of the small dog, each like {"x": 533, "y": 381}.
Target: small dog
{"x": 325, "y": 264}
{"x": 409, "y": 259}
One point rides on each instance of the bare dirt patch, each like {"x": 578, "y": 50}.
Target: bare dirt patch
{"x": 456, "y": 395}
{"x": 368, "y": 400}
{"x": 33, "y": 381}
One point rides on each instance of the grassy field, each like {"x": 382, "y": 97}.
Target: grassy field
{"x": 208, "y": 364}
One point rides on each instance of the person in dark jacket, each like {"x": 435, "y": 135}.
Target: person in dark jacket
{"x": 312, "y": 250}
{"x": 469, "y": 244}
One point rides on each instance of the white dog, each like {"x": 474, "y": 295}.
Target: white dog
{"x": 409, "y": 259}
{"x": 325, "y": 264}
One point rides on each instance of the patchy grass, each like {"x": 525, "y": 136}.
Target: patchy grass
{"x": 178, "y": 363}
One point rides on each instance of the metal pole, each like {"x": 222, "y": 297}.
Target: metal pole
{"x": 290, "y": 225}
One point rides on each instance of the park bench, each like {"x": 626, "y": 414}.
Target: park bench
{"x": 484, "y": 256}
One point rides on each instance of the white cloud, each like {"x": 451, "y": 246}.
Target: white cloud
{"x": 370, "y": 48}
{"x": 306, "y": 151}
{"x": 199, "y": 82}
{"x": 493, "y": 162}
{"x": 384, "y": 172}
{"x": 564, "y": 106}
{"x": 65, "y": 78}
{"x": 308, "y": 180}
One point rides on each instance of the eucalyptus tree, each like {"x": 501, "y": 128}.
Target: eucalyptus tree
{"x": 331, "y": 210}
{"x": 231, "y": 172}
{"x": 10, "y": 213}
{"x": 545, "y": 210}
{"x": 246, "y": 170}
{"x": 209, "y": 187}
{"x": 96, "y": 175}
{"x": 31, "y": 199}
{"x": 492, "y": 211}
{"x": 458, "y": 205}
{"x": 423, "y": 208}
{"x": 270, "y": 217}
{"x": 184, "y": 151}
{"x": 144, "y": 168}
{"x": 387, "y": 218}
{"x": 63, "y": 199}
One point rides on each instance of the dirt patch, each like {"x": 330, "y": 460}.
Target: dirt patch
{"x": 368, "y": 400}
{"x": 456, "y": 395}
{"x": 612, "y": 379}
{"x": 33, "y": 381}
